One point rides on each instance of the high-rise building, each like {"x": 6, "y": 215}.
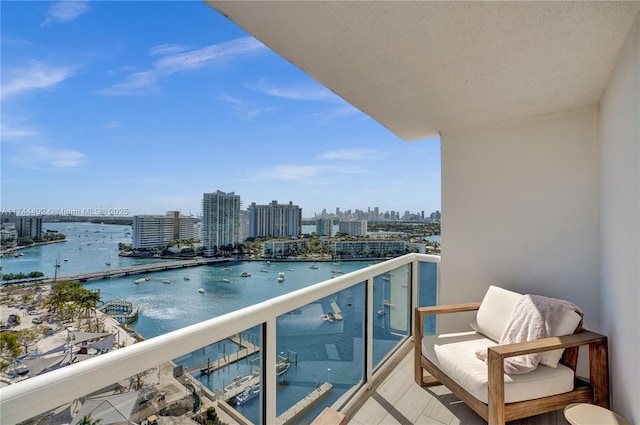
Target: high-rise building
{"x": 324, "y": 227}
{"x": 25, "y": 225}
{"x": 276, "y": 220}
{"x": 353, "y": 227}
{"x": 155, "y": 231}
{"x": 220, "y": 221}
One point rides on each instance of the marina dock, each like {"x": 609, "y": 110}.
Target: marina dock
{"x": 209, "y": 367}
{"x": 301, "y": 408}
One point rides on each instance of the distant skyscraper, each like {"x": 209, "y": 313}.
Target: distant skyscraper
{"x": 353, "y": 227}
{"x": 324, "y": 227}
{"x": 220, "y": 221}
{"x": 276, "y": 220}
{"x": 155, "y": 231}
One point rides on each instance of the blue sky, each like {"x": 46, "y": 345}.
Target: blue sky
{"x": 147, "y": 105}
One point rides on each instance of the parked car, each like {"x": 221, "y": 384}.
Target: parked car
{"x": 34, "y": 312}
{"x": 36, "y": 321}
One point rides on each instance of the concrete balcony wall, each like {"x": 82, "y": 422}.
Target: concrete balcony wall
{"x": 520, "y": 207}
{"x": 620, "y": 225}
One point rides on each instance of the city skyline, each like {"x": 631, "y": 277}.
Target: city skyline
{"x": 149, "y": 114}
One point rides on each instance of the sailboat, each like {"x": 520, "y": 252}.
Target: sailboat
{"x": 108, "y": 262}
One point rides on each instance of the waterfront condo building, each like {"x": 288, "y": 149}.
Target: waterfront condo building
{"x": 353, "y": 227}
{"x": 275, "y": 220}
{"x": 155, "y": 231}
{"x": 324, "y": 227}
{"x": 279, "y": 249}
{"x": 27, "y": 225}
{"x": 220, "y": 221}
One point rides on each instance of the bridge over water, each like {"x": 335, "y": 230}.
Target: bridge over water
{"x": 144, "y": 268}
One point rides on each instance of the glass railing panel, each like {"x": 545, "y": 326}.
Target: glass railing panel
{"x": 229, "y": 371}
{"x": 191, "y": 385}
{"x": 391, "y": 305}
{"x": 427, "y": 292}
{"x": 320, "y": 351}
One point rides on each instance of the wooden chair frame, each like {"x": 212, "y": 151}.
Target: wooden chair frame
{"x": 596, "y": 391}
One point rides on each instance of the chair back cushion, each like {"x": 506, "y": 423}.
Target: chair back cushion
{"x": 494, "y": 312}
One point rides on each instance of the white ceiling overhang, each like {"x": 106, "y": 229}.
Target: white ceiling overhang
{"x": 419, "y": 68}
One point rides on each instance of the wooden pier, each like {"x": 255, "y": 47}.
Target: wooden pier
{"x": 209, "y": 367}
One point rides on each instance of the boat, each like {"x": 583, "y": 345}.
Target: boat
{"x": 281, "y": 277}
{"x": 313, "y": 266}
{"x": 225, "y": 280}
{"x": 290, "y": 270}
{"x": 186, "y": 278}
{"x": 336, "y": 262}
{"x": 264, "y": 270}
{"x": 66, "y": 259}
{"x": 237, "y": 381}
{"x": 282, "y": 366}
{"x": 201, "y": 290}
{"x": 166, "y": 281}
{"x": 248, "y": 394}
{"x": 245, "y": 274}
{"x": 388, "y": 303}
{"x": 139, "y": 281}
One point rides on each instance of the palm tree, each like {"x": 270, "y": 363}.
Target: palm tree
{"x": 87, "y": 420}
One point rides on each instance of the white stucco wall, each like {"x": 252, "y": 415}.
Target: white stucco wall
{"x": 520, "y": 210}
{"x": 620, "y": 228}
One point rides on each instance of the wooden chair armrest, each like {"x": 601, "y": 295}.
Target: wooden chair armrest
{"x": 547, "y": 344}
{"x": 449, "y": 308}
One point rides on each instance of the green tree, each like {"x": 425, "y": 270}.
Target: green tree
{"x": 9, "y": 349}
{"x": 88, "y": 420}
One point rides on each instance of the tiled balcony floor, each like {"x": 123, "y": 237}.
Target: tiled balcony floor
{"x": 399, "y": 400}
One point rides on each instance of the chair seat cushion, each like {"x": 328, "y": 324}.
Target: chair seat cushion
{"x": 454, "y": 354}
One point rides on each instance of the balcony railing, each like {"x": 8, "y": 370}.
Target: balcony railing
{"x": 329, "y": 339}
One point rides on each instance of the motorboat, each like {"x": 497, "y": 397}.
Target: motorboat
{"x": 245, "y": 274}
{"x": 166, "y": 281}
{"x": 186, "y": 278}
{"x": 139, "y": 281}
{"x": 248, "y": 394}
{"x": 282, "y": 366}
{"x": 201, "y": 290}
{"x": 281, "y": 277}
{"x": 225, "y": 280}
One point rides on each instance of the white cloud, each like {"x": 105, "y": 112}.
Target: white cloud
{"x": 38, "y": 157}
{"x": 358, "y": 154}
{"x": 65, "y": 11}
{"x": 12, "y": 134}
{"x": 216, "y": 54}
{"x": 38, "y": 76}
{"x": 244, "y": 108}
{"x": 301, "y": 92}
{"x": 167, "y": 49}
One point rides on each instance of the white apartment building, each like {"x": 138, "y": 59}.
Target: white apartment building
{"x": 274, "y": 249}
{"x": 276, "y": 220}
{"x": 155, "y": 231}
{"x": 324, "y": 227}
{"x": 353, "y": 227}
{"x": 369, "y": 248}
{"x": 220, "y": 221}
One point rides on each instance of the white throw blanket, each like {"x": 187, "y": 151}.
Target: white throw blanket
{"x": 533, "y": 317}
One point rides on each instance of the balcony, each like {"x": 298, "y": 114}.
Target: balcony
{"x": 291, "y": 356}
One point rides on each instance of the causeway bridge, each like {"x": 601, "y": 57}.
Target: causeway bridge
{"x": 143, "y": 268}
